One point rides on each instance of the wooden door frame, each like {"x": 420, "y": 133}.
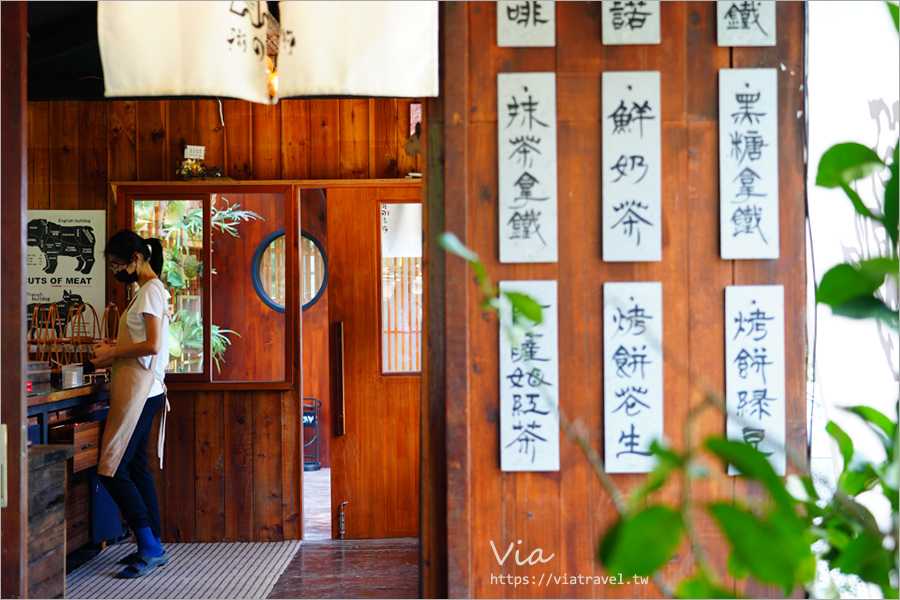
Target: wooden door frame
{"x": 14, "y": 217}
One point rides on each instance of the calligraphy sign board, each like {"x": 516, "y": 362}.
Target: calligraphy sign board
{"x": 529, "y": 384}
{"x": 746, "y": 23}
{"x": 630, "y": 22}
{"x": 748, "y": 163}
{"x": 754, "y": 369}
{"x": 632, "y": 166}
{"x": 523, "y": 24}
{"x": 526, "y": 132}
{"x": 632, "y": 375}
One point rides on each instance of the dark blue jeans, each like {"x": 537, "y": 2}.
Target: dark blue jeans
{"x": 132, "y": 486}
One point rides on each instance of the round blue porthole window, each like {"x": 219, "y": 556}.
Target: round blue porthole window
{"x": 269, "y": 268}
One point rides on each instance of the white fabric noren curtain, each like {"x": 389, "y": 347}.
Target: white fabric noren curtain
{"x": 218, "y": 49}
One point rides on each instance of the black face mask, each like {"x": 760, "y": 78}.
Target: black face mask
{"x": 125, "y": 277}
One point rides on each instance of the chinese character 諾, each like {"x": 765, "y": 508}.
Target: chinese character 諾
{"x": 633, "y": 18}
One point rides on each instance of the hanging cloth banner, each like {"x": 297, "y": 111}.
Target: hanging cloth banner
{"x": 385, "y": 49}
{"x": 184, "y": 49}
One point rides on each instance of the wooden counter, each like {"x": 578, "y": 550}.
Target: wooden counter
{"x": 47, "y": 520}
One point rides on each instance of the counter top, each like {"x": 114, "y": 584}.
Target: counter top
{"x": 55, "y": 393}
{"x": 40, "y": 455}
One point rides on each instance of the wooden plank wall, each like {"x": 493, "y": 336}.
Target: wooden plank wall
{"x": 231, "y": 456}
{"x": 565, "y": 513}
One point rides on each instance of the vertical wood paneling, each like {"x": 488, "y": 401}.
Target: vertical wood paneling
{"x": 210, "y": 132}
{"x": 122, "y": 141}
{"x": 324, "y": 139}
{"x": 151, "y": 140}
{"x": 266, "y": 141}
{"x": 92, "y": 162}
{"x": 267, "y": 485}
{"x": 354, "y": 116}
{"x": 64, "y": 155}
{"x": 238, "y": 467}
{"x": 179, "y": 133}
{"x": 210, "y": 466}
{"x": 38, "y": 155}
{"x": 295, "y": 142}
{"x": 291, "y": 465}
{"x": 238, "y": 140}
{"x": 405, "y": 164}
{"x": 383, "y": 128}
{"x": 181, "y": 505}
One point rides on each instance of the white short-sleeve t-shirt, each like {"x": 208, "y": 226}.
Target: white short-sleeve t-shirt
{"x": 152, "y": 299}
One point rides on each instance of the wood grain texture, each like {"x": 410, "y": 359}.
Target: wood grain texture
{"x": 121, "y": 142}
{"x": 295, "y": 139}
{"x": 38, "y": 155}
{"x": 570, "y": 511}
{"x": 181, "y": 503}
{"x": 325, "y": 139}
{"x": 238, "y": 140}
{"x": 210, "y": 466}
{"x": 150, "y": 119}
{"x": 266, "y": 141}
{"x": 354, "y": 118}
{"x": 92, "y": 152}
{"x": 14, "y": 184}
{"x": 210, "y": 132}
{"x": 375, "y": 463}
{"x": 64, "y": 155}
{"x": 268, "y": 525}
{"x": 382, "y": 135}
{"x": 239, "y": 467}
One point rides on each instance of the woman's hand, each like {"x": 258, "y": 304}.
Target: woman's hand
{"x": 104, "y": 353}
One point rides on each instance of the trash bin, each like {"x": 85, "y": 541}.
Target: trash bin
{"x": 312, "y": 416}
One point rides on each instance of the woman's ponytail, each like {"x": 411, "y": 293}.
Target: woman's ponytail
{"x": 156, "y": 255}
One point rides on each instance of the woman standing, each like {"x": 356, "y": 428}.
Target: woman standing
{"x": 136, "y": 393}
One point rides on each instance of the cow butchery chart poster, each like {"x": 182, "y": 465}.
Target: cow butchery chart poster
{"x": 65, "y": 261}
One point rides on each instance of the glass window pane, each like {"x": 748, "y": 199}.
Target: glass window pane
{"x": 179, "y": 225}
{"x": 401, "y": 288}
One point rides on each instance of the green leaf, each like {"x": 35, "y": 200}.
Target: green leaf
{"x": 867, "y": 308}
{"x": 866, "y": 557}
{"x": 847, "y": 162}
{"x": 699, "y": 587}
{"x": 667, "y": 462}
{"x": 641, "y": 544}
{"x": 846, "y": 282}
{"x": 858, "y": 204}
{"x": 755, "y": 546}
{"x": 893, "y": 8}
{"x": 526, "y": 306}
{"x": 843, "y": 440}
{"x": 891, "y": 208}
{"x": 856, "y": 481}
{"x": 449, "y": 242}
{"x": 751, "y": 462}
{"x": 875, "y": 419}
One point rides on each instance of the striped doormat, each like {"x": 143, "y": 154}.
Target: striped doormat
{"x": 216, "y": 570}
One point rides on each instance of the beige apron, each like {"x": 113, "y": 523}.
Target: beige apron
{"x": 129, "y": 388}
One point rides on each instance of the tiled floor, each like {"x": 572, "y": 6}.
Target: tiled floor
{"x": 317, "y": 505}
{"x": 352, "y": 569}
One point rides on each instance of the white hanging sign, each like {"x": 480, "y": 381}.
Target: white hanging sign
{"x": 632, "y": 166}
{"x": 387, "y": 49}
{"x": 401, "y": 230}
{"x": 632, "y": 375}
{"x": 529, "y": 384}
{"x": 526, "y": 143}
{"x": 184, "y": 49}
{"x": 630, "y": 22}
{"x": 524, "y": 24}
{"x": 746, "y": 23}
{"x": 754, "y": 369}
{"x": 748, "y": 163}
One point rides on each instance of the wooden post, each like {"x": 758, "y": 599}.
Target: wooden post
{"x": 14, "y": 214}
